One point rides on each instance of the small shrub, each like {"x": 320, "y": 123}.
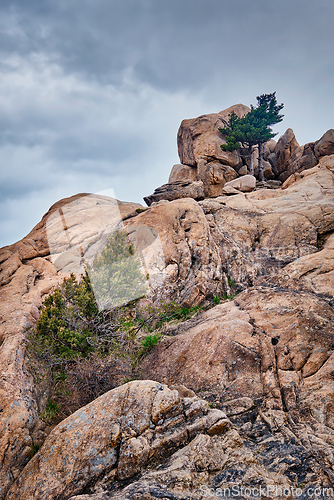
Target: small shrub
{"x": 128, "y": 379}
{"x": 230, "y": 282}
{"x": 150, "y": 341}
{"x": 34, "y": 448}
{"x": 115, "y": 275}
{"x": 171, "y": 311}
{"x": 50, "y": 412}
{"x": 79, "y": 352}
{"x": 216, "y": 300}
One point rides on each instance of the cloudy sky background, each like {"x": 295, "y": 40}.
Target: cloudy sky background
{"x": 92, "y": 92}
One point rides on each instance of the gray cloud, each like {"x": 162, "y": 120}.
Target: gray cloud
{"x": 92, "y": 93}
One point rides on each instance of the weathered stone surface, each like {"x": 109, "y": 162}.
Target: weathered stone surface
{"x": 284, "y": 148}
{"x": 199, "y": 138}
{"x": 296, "y": 332}
{"x": 303, "y": 158}
{"x": 214, "y": 176}
{"x": 243, "y": 170}
{"x": 267, "y": 170}
{"x": 176, "y": 190}
{"x": 182, "y": 173}
{"x": 117, "y": 434}
{"x": 264, "y": 359}
{"x": 27, "y": 275}
{"x": 292, "y": 338}
{"x": 200, "y": 470}
{"x": 313, "y": 272}
{"x": 325, "y": 145}
{"x": 191, "y": 268}
{"x": 270, "y": 146}
{"x": 217, "y": 351}
{"x": 245, "y": 184}
{"x": 229, "y": 190}
{"x": 258, "y": 233}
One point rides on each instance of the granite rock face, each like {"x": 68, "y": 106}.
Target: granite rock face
{"x": 242, "y": 393}
{"x": 325, "y": 145}
{"x": 203, "y": 161}
{"x": 191, "y": 267}
{"x": 183, "y": 173}
{"x": 177, "y": 189}
{"x": 199, "y": 138}
{"x": 117, "y": 435}
{"x": 27, "y": 275}
{"x": 284, "y": 148}
{"x": 245, "y": 184}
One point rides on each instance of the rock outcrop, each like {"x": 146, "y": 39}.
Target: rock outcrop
{"x": 284, "y": 148}
{"x": 116, "y": 435}
{"x": 199, "y": 138}
{"x": 27, "y": 275}
{"x": 204, "y": 162}
{"x": 239, "y": 395}
{"x": 177, "y": 189}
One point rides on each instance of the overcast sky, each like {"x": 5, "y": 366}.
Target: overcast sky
{"x": 92, "y": 92}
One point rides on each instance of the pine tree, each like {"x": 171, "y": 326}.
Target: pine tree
{"x": 268, "y": 111}
{"x": 253, "y": 129}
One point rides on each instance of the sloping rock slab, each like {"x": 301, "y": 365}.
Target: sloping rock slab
{"x": 117, "y": 434}
{"x": 175, "y": 190}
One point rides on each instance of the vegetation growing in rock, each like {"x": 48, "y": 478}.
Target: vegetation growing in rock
{"x": 116, "y": 274}
{"x": 82, "y": 352}
{"x": 253, "y": 129}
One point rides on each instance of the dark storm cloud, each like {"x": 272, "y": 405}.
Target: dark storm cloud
{"x": 92, "y": 91}
{"x": 174, "y": 44}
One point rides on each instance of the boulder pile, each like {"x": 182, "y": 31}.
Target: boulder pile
{"x": 205, "y": 168}
{"x": 238, "y": 396}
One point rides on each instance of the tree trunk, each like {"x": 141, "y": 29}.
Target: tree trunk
{"x": 261, "y": 151}
{"x": 251, "y": 165}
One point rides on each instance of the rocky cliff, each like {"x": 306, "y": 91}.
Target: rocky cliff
{"x": 240, "y": 395}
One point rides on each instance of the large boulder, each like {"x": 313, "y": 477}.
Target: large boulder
{"x": 284, "y": 148}
{"x": 175, "y": 190}
{"x": 246, "y": 183}
{"x": 117, "y": 434}
{"x": 302, "y": 158}
{"x": 182, "y": 173}
{"x": 214, "y": 176}
{"x": 199, "y": 138}
{"x": 325, "y": 145}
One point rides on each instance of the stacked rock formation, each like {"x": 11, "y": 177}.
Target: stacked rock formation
{"x": 239, "y": 396}
{"x": 205, "y": 169}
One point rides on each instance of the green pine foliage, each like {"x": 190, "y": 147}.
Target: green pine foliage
{"x": 115, "y": 275}
{"x": 80, "y": 352}
{"x": 67, "y": 320}
{"x": 254, "y": 128}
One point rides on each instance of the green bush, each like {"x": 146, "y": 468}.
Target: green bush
{"x": 231, "y": 282}
{"x": 150, "y": 341}
{"x": 68, "y": 319}
{"x": 50, "y": 412}
{"x": 78, "y": 352}
{"x": 115, "y": 275}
